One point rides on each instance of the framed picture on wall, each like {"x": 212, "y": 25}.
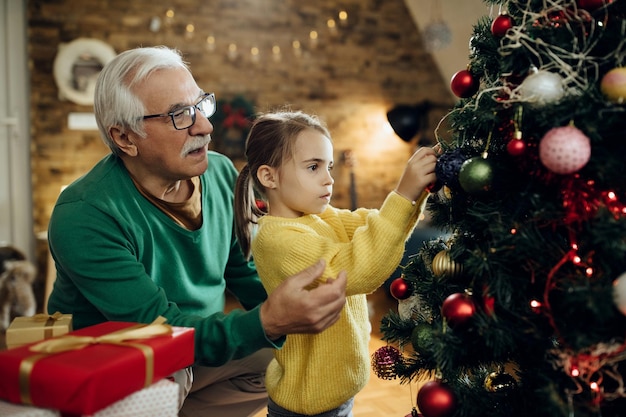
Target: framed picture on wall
{"x": 231, "y": 122}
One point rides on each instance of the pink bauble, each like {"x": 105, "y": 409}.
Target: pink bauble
{"x": 613, "y": 85}
{"x": 564, "y": 150}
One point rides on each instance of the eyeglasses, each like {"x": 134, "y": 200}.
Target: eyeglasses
{"x": 185, "y": 117}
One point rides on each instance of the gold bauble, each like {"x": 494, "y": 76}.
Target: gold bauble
{"x": 500, "y": 382}
{"x": 443, "y": 266}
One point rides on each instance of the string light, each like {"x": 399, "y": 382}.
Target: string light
{"x": 333, "y": 25}
{"x": 169, "y": 17}
{"x": 210, "y": 43}
{"x": 232, "y": 51}
{"x": 189, "y": 30}
{"x": 276, "y": 53}
{"x": 297, "y": 49}
{"x": 254, "y": 52}
{"x": 313, "y": 35}
{"x": 535, "y": 305}
{"x": 343, "y": 17}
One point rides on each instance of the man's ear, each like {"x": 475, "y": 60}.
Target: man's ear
{"x": 123, "y": 141}
{"x": 267, "y": 176}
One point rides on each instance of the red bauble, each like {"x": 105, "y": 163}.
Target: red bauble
{"x": 591, "y": 5}
{"x": 436, "y": 399}
{"x": 516, "y": 147}
{"x": 400, "y": 289}
{"x": 457, "y": 309}
{"x": 463, "y": 84}
{"x": 501, "y": 25}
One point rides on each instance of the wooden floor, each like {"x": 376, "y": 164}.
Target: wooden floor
{"x": 381, "y": 397}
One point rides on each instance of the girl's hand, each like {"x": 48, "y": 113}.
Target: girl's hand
{"x": 418, "y": 174}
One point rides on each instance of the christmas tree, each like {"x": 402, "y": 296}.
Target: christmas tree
{"x": 520, "y": 310}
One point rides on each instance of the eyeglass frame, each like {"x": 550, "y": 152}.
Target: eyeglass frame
{"x": 193, "y": 108}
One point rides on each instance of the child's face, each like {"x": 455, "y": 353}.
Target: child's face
{"x": 305, "y": 183}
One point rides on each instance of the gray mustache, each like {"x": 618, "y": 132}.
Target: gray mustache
{"x": 197, "y": 142}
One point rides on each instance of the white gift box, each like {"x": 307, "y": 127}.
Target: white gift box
{"x": 158, "y": 400}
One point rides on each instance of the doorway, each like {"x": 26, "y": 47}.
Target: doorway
{"x": 16, "y": 213}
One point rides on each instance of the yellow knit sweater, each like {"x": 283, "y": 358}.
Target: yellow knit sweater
{"x": 312, "y": 374}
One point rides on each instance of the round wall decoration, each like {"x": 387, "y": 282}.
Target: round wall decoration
{"x": 76, "y": 68}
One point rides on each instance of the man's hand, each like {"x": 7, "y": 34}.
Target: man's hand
{"x": 291, "y": 308}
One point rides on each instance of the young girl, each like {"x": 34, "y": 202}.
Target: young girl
{"x": 289, "y": 163}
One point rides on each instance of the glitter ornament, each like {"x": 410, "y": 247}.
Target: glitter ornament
{"x": 619, "y": 293}
{"x": 422, "y": 337}
{"x": 436, "y": 399}
{"x": 476, "y": 175}
{"x": 437, "y": 35}
{"x": 501, "y": 25}
{"x": 414, "y": 308}
{"x": 463, "y": 84}
{"x": 458, "y": 309}
{"x": 542, "y": 87}
{"x": 499, "y": 382}
{"x": 400, "y": 289}
{"x": 384, "y": 362}
{"x": 448, "y": 166}
{"x": 613, "y": 85}
{"x": 564, "y": 150}
{"x": 444, "y": 267}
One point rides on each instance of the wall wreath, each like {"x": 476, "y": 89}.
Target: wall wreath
{"x": 76, "y": 68}
{"x": 231, "y": 122}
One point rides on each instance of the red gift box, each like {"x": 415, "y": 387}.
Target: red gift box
{"x": 105, "y": 363}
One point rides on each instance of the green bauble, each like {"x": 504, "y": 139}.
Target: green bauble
{"x": 422, "y": 337}
{"x": 476, "y": 175}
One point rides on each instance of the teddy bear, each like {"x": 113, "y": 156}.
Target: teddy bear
{"x": 16, "y": 286}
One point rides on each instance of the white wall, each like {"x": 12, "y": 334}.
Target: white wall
{"x": 460, "y": 16}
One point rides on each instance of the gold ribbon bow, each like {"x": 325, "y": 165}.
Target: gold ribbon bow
{"x": 70, "y": 342}
{"x": 45, "y": 317}
{"x": 50, "y": 320}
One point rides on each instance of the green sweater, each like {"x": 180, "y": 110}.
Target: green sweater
{"x": 314, "y": 373}
{"x": 119, "y": 258}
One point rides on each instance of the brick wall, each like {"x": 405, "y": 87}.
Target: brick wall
{"x": 350, "y": 77}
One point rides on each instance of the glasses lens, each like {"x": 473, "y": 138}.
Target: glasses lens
{"x": 207, "y": 105}
{"x": 184, "y": 117}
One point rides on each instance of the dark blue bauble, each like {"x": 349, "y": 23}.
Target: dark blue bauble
{"x": 448, "y": 167}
